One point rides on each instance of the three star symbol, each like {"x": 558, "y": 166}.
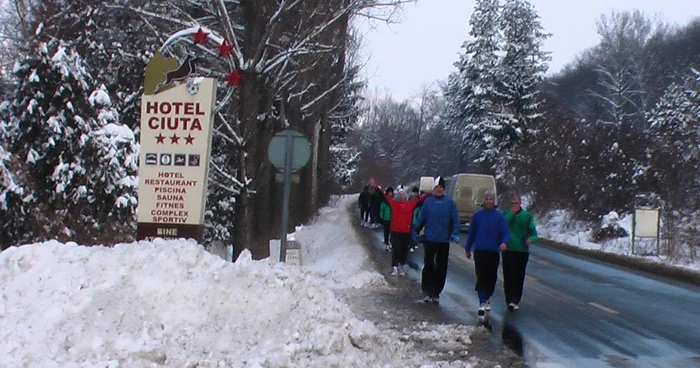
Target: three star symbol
{"x": 174, "y": 139}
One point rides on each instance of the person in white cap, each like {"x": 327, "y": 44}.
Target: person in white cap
{"x": 441, "y": 221}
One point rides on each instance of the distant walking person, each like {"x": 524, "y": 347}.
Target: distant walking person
{"x": 375, "y": 203}
{"x": 441, "y": 221}
{"x": 385, "y": 217}
{"x": 364, "y": 205}
{"x": 523, "y": 233}
{"x": 488, "y": 235}
{"x": 401, "y": 219}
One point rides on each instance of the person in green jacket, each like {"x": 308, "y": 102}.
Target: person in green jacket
{"x": 385, "y": 217}
{"x": 523, "y": 233}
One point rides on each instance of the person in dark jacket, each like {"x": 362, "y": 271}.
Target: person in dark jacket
{"x": 488, "y": 236}
{"x": 375, "y": 202}
{"x": 441, "y": 221}
{"x": 364, "y": 205}
{"x": 523, "y": 233}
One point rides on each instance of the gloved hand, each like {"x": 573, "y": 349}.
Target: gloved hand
{"x": 454, "y": 239}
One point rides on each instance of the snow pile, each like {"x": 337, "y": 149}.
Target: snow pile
{"x": 330, "y": 248}
{"x": 560, "y": 226}
{"x": 171, "y": 303}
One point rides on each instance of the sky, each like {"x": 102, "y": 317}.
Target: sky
{"x": 404, "y": 57}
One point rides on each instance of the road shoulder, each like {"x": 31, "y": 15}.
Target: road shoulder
{"x": 397, "y": 309}
{"x": 632, "y": 263}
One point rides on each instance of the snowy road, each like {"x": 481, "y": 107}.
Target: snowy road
{"x": 576, "y": 312}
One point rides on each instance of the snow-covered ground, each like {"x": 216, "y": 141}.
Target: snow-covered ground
{"x": 560, "y": 227}
{"x": 173, "y": 304}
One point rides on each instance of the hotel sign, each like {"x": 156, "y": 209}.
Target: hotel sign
{"x": 176, "y": 133}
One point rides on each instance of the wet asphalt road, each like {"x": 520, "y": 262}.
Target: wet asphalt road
{"x": 577, "y": 312}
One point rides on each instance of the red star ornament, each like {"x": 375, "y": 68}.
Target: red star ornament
{"x": 200, "y": 36}
{"x": 225, "y": 48}
{"x": 174, "y": 139}
{"x": 234, "y": 78}
{"x": 160, "y": 138}
{"x": 189, "y": 139}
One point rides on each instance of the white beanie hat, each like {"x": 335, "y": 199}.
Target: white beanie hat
{"x": 439, "y": 181}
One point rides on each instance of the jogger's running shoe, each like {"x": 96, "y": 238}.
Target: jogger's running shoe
{"x": 513, "y": 306}
{"x": 395, "y": 271}
{"x": 401, "y": 271}
{"x": 482, "y": 309}
{"x": 487, "y": 305}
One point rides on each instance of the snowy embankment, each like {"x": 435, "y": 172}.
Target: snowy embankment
{"x": 173, "y": 304}
{"x": 560, "y": 227}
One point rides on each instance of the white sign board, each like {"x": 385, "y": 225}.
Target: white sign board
{"x": 292, "y": 255}
{"x": 646, "y": 223}
{"x": 176, "y": 133}
{"x": 426, "y": 183}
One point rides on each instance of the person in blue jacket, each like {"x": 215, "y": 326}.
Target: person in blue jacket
{"x": 488, "y": 236}
{"x": 441, "y": 221}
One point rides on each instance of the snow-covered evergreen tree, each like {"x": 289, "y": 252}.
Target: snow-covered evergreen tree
{"x": 472, "y": 100}
{"x": 674, "y": 122}
{"x": 676, "y": 117}
{"x": 11, "y": 201}
{"x": 113, "y": 180}
{"x": 49, "y": 121}
{"x": 519, "y": 74}
{"x": 79, "y": 160}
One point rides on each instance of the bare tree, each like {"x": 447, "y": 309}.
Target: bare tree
{"x": 291, "y": 54}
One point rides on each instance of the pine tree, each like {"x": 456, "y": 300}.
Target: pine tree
{"x": 520, "y": 72}
{"x": 674, "y": 124}
{"x": 472, "y": 96}
{"x": 113, "y": 178}
{"x": 11, "y": 201}
{"x": 80, "y": 162}
{"x": 47, "y": 121}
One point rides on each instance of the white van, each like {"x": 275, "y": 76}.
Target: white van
{"x": 467, "y": 190}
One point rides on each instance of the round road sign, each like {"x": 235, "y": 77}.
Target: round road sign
{"x": 301, "y": 149}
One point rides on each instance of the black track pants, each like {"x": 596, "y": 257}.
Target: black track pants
{"x": 434, "y": 268}
{"x": 514, "y": 265}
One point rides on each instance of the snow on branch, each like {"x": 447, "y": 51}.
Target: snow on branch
{"x": 322, "y": 95}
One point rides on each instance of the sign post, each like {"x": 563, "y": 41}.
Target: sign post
{"x": 646, "y": 223}
{"x": 288, "y": 151}
{"x": 176, "y": 134}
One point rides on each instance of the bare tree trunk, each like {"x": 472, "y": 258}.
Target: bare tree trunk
{"x": 314, "y": 166}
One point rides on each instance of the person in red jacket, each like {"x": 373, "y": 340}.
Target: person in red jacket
{"x": 401, "y": 221}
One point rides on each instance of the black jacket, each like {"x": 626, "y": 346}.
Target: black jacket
{"x": 364, "y": 199}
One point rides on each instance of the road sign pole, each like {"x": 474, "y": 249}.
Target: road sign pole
{"x": 289, "y": 145}
{"x": 634, "y": 227}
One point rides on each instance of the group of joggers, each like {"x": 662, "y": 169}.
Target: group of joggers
{"x": 432, "y": 219}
